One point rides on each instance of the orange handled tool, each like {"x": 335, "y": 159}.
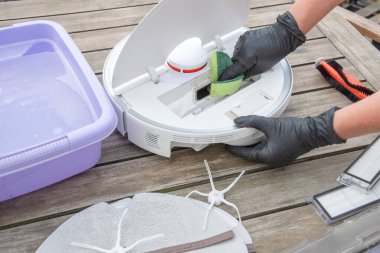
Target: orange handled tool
{"x": 344, "y": 82}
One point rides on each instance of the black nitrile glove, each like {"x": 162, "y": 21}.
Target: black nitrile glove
{"x": 258, "y": 50}
{"x": 287, "y": 138}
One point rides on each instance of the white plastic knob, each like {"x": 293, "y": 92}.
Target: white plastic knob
{"x": 188, "y": 57}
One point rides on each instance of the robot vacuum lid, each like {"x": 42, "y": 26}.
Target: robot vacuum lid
{"x": 148, "y": 79}
{"x": 170, "y": 23}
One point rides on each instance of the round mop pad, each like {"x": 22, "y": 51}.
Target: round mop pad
{"x": 219, "y": 62}
{"x": 149, "y": 223}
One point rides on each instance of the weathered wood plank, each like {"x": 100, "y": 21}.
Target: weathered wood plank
{"x": 288, "y": 186}
{"x": 363, "y": 56}
{"x": 100, "y": 39}
{"x": 102, "y": 19}
{"x": 367, "y": 32}
{"x": 369, "y": 10}
{"x": 283, "y": 231}
{"x": 312, "y": 50}
{"x": 365, "y": 26}
{"x": 29, "y": 237}
{"x": 250, "y": 195}
{"x": 263, "y": 3}
{"x": 376, "y": 18}
{"x": 40, "y": 8}
{"x": 267, "y": 15}
{"x": 114, "y": 181}
{"x": 119, "y": 148}
{"x": 94, "y": 20}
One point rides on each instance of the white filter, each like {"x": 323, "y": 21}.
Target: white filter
{"x": 341, "y": 202}
{"x": 365, "y": 171}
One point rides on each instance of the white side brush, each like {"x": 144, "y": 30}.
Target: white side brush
{"x": 117, "y": 248}
{"x": 216, "y": 197}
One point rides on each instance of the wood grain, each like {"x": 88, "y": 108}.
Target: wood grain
{"x": 127, "y": 16}
{"x": 107, "y": 38}
{"x": 28, "y": 238}
{"x": 286, "y": 230}
{"x": 369, "y": 10}
{"x": 376, "y": 18}
{"x": 117, "y": 148}
{"x": 40, "y": 8}
{"x": 250, "y": 194}
{"x": 94, "y": 20}
{"x": 266, "y": 15}
{"x": 288, "y": 186}
{"x": 154, "y": 173}
{"x": 363, "y": 56}
{"x": 267, "y": 198}
{"x": 312, "y": 50}
{"x": 364, "y": 25}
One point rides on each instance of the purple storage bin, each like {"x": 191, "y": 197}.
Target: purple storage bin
{"x": 53, "y": 111}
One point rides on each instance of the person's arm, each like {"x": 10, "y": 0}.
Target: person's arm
{"x": 258, "y": 50}
{"x": 308, "y": 13}
{"x": 289, "y": 138}
{"x": 360, "y": 118}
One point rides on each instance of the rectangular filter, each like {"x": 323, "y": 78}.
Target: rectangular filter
{"x": 344, "y": 201}
{"x": 365, "y": 170}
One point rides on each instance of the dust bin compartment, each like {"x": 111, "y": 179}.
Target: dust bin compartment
{"x": 53, "y": 111}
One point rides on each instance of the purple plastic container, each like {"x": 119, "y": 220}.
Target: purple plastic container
{"x": 53, "y": 110}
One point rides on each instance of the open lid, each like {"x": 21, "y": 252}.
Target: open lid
{"x": 171, "y": 22}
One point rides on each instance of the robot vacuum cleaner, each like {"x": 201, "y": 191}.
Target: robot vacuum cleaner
{"x": 158, "y": 79}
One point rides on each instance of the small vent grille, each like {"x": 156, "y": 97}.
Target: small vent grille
{"x": 152, "y": 140}
{"x": 219, "y": 139}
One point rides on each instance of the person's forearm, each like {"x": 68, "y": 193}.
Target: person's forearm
{"x": 360, "y": 118}
{"x": 308, "y": 13}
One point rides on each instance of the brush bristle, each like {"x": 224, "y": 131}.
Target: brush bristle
{"x": 337, "y": 85}
{"x": 342, "y": 89}
{"x": 361, "y": 88}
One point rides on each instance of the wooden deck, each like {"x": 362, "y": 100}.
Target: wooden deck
{"x": 272, "y": 201}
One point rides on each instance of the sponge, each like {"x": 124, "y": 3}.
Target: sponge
{"x": 220, "y": 61}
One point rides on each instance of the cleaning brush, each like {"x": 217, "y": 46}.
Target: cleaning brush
{"x": 344, "y": 82}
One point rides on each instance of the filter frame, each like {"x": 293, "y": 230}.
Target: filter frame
{"x": 330, "y": 219}
{"x": 342, "y": 179}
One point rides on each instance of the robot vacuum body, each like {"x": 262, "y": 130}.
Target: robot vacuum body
{"x": 162, "y": 103}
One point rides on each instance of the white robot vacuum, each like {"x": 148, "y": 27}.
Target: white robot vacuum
{"x": 158, "y": 78}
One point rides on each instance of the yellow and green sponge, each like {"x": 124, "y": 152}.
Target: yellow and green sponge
{"x": 220, "y": 61}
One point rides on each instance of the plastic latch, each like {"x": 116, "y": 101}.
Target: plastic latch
{"x": 153, "y": 74}
{"x": 219, "y": 42}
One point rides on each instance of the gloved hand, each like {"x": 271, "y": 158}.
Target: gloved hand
{"x": 258, "y": 50}
{"x": 287, "y": 138}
